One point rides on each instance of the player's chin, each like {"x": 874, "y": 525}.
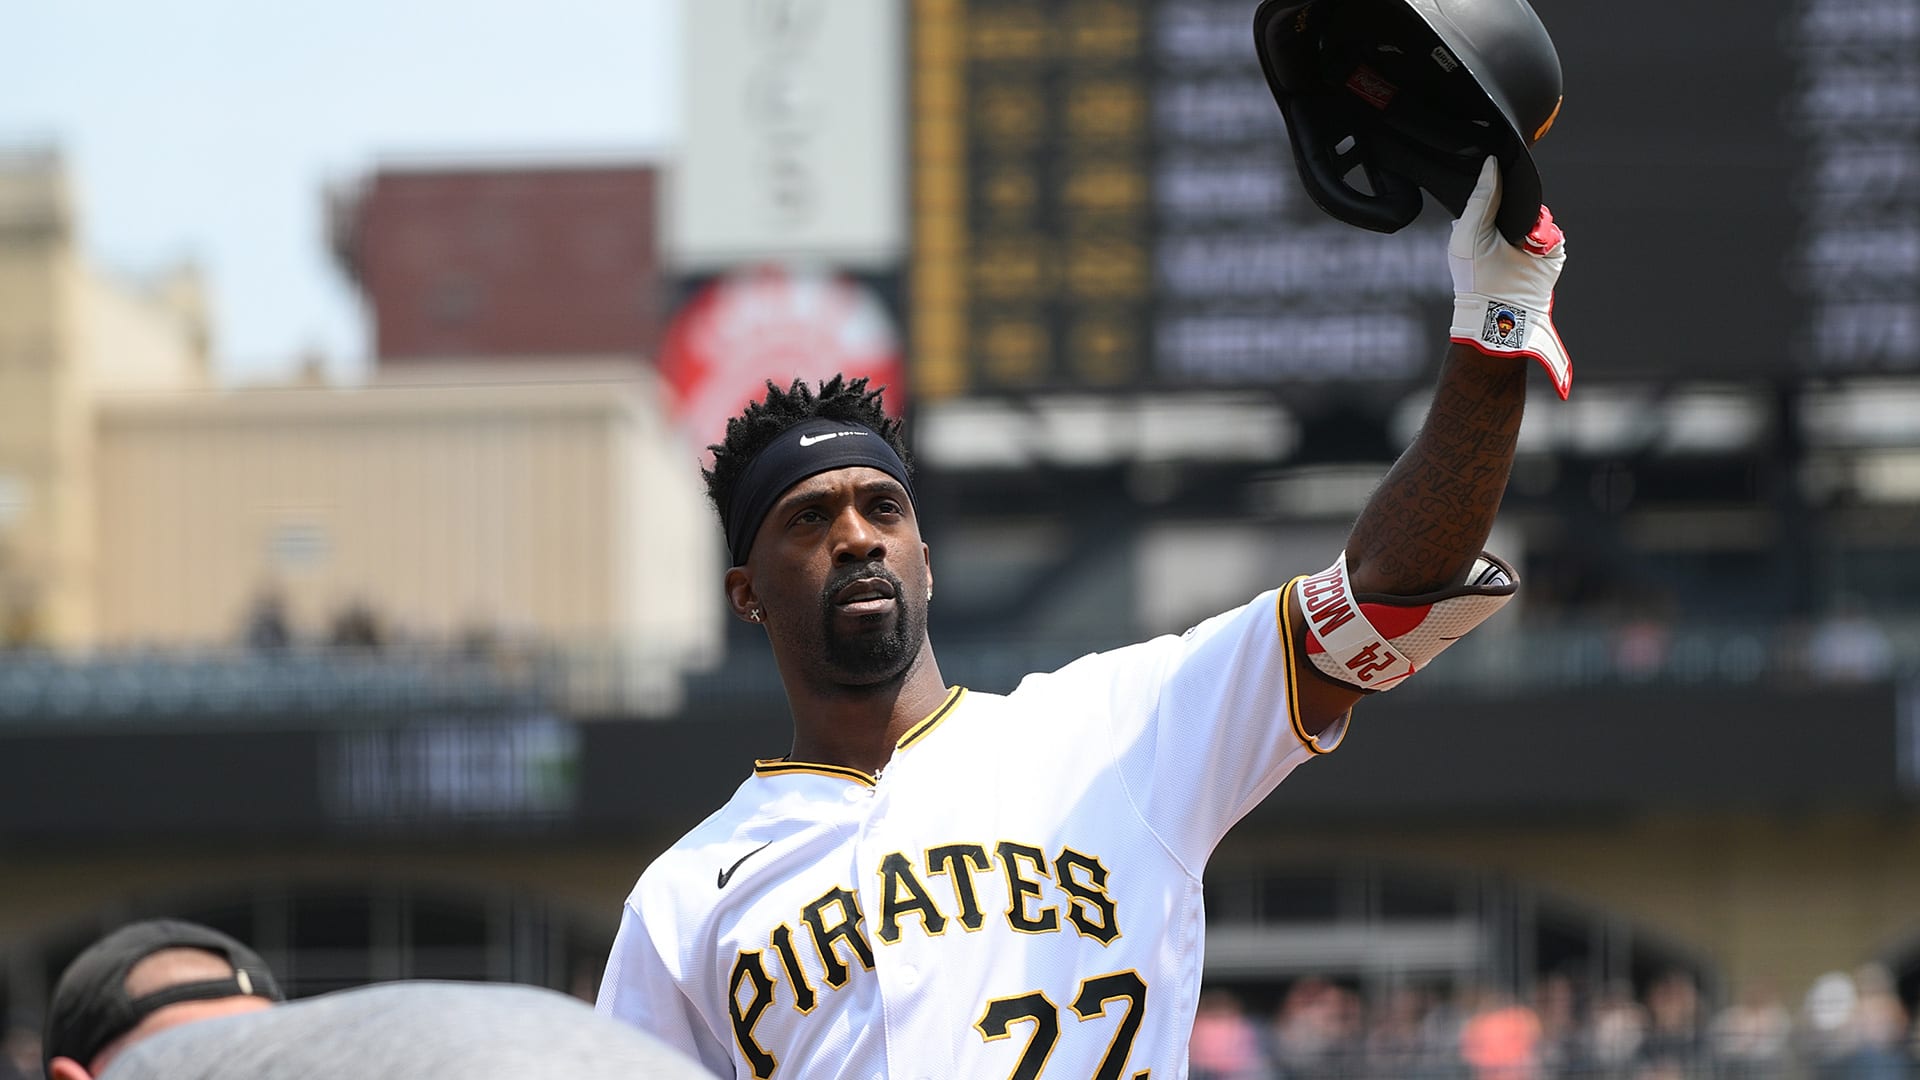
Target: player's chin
{"x": 870, "y": 649}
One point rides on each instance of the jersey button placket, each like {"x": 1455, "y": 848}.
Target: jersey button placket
{"x": 898, "y": 980}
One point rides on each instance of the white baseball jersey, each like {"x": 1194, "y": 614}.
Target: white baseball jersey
{"x": 1017, "y": 894}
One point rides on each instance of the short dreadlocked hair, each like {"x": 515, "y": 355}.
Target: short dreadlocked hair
{"x": 839, "y": 398}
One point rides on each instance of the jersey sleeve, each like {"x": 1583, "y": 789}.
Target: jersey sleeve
{"x": 1206, "y": 725}
{"x": 638, "y": 989}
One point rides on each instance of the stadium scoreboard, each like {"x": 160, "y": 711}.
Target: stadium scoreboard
{"x": 1104, "y": 197}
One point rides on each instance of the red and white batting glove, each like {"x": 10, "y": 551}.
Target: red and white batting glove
{"x": 1503, "y": 294}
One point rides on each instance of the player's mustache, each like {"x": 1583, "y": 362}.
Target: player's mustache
{"x": 842, "y": 578}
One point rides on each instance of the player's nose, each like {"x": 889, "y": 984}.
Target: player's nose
{"x": 856, "y": 539}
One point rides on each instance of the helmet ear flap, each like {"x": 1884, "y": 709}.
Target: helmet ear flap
{"x": 1394, "y": 200}
{"x": 1328, "y": 134}
{"x": 1288, "y": 44}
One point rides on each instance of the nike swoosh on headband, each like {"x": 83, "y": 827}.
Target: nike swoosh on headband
{"x": 809, "y": 440}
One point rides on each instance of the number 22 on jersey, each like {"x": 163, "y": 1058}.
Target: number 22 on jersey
{"x": 1096, "y": 993}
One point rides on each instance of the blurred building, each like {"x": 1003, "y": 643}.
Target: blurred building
{"x": 504, "y": 261}
{"x": 70, "y": 334}
{"x": 535, "y": 508}
{"x": 534, "y": 501}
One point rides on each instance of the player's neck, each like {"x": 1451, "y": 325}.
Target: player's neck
{"x": 858, "y": 726}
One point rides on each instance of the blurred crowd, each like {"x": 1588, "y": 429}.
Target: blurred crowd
{"x": 1850, "y": 1026}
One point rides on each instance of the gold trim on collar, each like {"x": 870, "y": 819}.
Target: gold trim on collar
{"x": 783, "y": 767}
{"x": 919, "y": 730}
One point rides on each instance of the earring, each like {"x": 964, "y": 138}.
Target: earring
{"x": 754, "y": 615}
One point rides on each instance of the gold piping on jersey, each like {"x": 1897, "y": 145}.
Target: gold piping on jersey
{"x": 1312, "y": 743}
{"x": 781, "y": 767}
{"x": 919, "y": 731}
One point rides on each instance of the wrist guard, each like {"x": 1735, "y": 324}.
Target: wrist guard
{"x": 1375, "y": 642}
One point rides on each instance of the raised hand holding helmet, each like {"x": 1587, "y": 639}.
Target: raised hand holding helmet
{"x": 1503, "y": 293}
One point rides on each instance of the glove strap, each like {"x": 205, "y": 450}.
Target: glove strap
{"x": 1500, "y": 328}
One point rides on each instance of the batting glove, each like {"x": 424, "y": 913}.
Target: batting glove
{"x": 1502, "y": 293}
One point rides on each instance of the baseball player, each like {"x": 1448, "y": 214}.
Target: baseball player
{"x": 940, "y": 882}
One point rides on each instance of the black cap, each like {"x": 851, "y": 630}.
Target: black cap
{"x": 90, "y": 1006}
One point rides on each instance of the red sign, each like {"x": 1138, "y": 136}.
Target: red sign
{"x": 779, "y": 323}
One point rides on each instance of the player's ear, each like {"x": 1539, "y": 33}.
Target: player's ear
{"x": 926, "y": 556}
{"x": 740, "y": 596}
{"x": 65, "y": 1068}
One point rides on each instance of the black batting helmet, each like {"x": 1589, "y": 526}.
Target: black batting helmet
{"x": 1413, "y": 94}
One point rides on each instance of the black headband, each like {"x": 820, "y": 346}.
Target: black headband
{"x": 806, "y": 449}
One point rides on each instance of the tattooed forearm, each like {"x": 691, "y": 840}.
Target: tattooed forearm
{"x": 1423, "y": 526}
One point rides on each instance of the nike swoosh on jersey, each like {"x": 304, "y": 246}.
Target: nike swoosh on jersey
{"x": 727, "y": 874}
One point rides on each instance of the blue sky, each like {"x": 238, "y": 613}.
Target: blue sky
{"x": 208, "y": 130}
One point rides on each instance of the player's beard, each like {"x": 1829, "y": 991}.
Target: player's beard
{"x": 882, "y": 654}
